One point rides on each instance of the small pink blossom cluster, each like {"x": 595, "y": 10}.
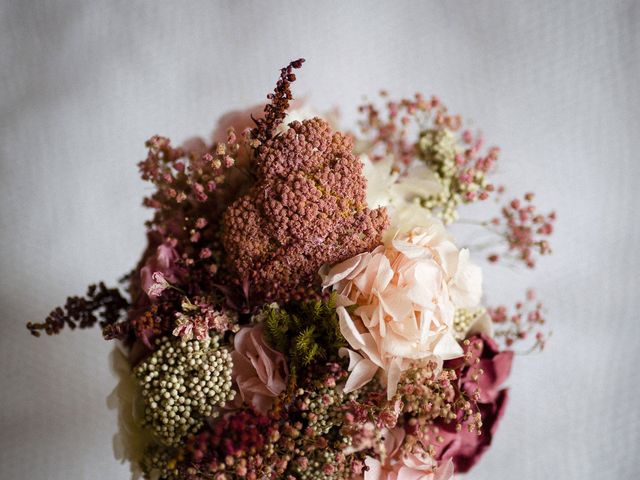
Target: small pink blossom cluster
{"x": 419, "y": 131}
{"x": 473, "y": 164}
{"x": 524, "y": 322}
{"x": 292, "y": 319}
{"x": 393, "y": 132}
{"x": 197, "y": 319}
{"x": 525, "y": 230}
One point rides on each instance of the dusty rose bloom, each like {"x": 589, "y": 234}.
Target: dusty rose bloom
{"x": 465, "y": 448}
{"x": 259, "y": 371}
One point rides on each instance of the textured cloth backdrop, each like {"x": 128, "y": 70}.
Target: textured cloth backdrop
{"x": 555, "y": 84}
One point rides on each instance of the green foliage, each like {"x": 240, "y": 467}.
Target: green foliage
{"x": 304, "y": 332}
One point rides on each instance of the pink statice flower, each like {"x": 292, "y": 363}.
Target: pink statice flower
{"x": 259, "y": 371}
{"x": 160, "y": 270}
{"x": 404, "y": 297}
{"x": 395, "y": 464}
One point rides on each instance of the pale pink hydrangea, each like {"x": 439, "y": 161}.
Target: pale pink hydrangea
{"x": 404, "y": 295}
{"x": 398, "y": 465}
{"x": 259, "y": 371}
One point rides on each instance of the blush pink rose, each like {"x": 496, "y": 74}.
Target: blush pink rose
{"x": 259, "y": 371}
{"x": 402, "y": 466}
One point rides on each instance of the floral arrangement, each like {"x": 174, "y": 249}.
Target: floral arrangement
{"x": 302, "y": 311}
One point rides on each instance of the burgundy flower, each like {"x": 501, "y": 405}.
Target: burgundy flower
{"x": 465, "y": 448}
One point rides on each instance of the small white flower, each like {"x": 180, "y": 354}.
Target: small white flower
{"x": 400, "y": 193}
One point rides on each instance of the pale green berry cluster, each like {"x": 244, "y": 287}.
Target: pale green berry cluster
{"x": 439, "y": 149}
{"x": 183, "y": 383}
{"x": 320, "y": 408}
{"x": 158, "y": 462}
{"x": 464, "y": 318}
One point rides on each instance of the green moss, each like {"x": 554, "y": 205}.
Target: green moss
{"x": 305, "y": 332}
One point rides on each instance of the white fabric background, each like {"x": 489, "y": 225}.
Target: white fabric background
{"x": 83, "y": 84}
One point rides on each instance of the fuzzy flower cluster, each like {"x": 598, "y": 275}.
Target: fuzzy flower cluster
{"x": 193, "y": 184}
{"x": 301, "y": 310}
{"x": 307, "y": 208}
{"x": 394, "y": 131}
{"x": 238, "y": 446}
{"x": 417, "y": 130}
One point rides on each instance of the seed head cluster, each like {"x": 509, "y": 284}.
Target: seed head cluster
{"x": 183, "y": 383}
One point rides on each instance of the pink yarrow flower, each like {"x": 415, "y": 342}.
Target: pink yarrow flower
{"x": 404, "y": 297}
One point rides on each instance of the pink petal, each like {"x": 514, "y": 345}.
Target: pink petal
{"x": 447, "y": 347}
{"x": 393, "y": 377}
{"x": 444, "y": 471}
{"x": 354, "y": 357}
{"x": 342, "y": 270}
{"x": 349, "y": 330}
{"x": 361, "y": 374}
{"x": 375, "y": 469}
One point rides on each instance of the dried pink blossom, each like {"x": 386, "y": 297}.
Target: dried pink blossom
{"x": 198, "y": 318}
{"x": 159, "y": 284}
{"x": 160, "y": 270}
